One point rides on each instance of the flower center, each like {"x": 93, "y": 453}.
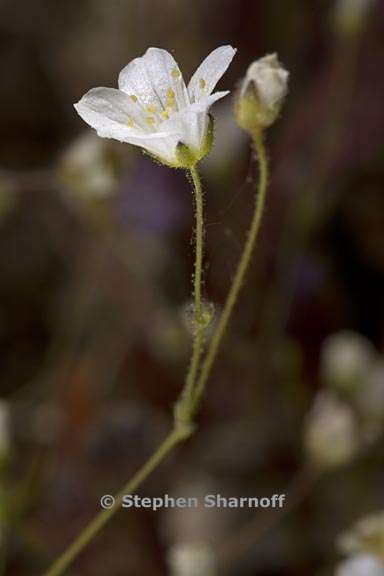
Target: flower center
{"x": 152, "y": 115}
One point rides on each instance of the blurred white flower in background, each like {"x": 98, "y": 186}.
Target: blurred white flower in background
{"x": 191, "y": 559}
{"x": 346, "y": 358}
{"x": 87, "y": 167}
{"x": 194, "y": 524}
{"x": 331, "y": 432}
{"x": 366, "y": 535}
{"x": 360, "y": 565}
{"x": 153, "y": 108}
{"x": 349, "y": 16}
{"x": 354, "y": 370}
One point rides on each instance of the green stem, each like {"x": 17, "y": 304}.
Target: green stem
{"x": 184, "y": 407}
{"x": 176, "y": 436}
{"x": 182, "y": 429}
{"x": 240, "y": 272}
{"x": 199, "y": 243}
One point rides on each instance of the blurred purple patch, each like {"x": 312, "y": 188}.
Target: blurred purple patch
{"x": 306, "y": 276}
{"x": 155, "y": 199}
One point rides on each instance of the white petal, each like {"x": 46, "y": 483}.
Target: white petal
{"x": 162, "y": 145}
{"x": 150, "y": 78}
{"x": 111, "y": 113}
{"x": 206, "y": 101}
{"x": 190, "y": 126}
{"x": 209, "y": 72}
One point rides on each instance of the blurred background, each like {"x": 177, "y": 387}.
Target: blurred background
{"x": 96, "y": 262}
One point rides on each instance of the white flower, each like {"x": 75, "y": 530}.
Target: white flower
{"x": 155, "y": 110}
{"x": 346, "y": 359}
{"x": 87, "y": 168}
{"x": 191, "y": 559}
{"x": 361, "y": 565}
{"x": 262, "y": 93}
{"x": 330, "y": 436}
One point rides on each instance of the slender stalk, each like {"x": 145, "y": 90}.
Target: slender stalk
{"x": 176, "y": 436}
{"x": 199, "y": 242}
{"x": 184, "y": 407}
{"x": 240, "y": 272}
{"x": 183, "y": 429}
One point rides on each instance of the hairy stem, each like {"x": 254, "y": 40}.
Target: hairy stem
{"x": 199, "y": 243}
{"x": 182, "y": 428}
{"x": 240, "y": 272}
{"x": 184, "y": 407}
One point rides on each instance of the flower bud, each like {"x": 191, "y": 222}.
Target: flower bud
{"x": 261, "y": 94}
{"x": 330, "y": 435}
{"x": 192, "y": 559}
{"x": 346, "y": 358}
{"x": 361, "y": 565}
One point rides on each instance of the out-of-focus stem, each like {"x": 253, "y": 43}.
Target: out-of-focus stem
{"x": 177, "y": 435}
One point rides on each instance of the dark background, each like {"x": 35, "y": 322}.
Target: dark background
{"x": 95, "y": 271}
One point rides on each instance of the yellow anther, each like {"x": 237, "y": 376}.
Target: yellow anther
{"x": 175, "y": 73}
{"x": 165, "y": 114}
{"x": 133, "y": 98}
{"x": 152, "y": 109}
{"x": 130, "y": 122}
{"x": 170, "y": 94}
{"x": 171, "y": 99}
{"x": 150, "y": 120}
{"x": 202, "y": 83}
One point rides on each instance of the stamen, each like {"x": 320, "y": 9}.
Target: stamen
{"x": 133, "y": 98}
{"x": 170, "y": 94}
{"x": 130, "y": 122}
{"x": 152, "y": 109}
{"x": 165, "y": 114}
{"x": 171, "y": 98}
{"x": 202, "y": 83}
{"x": 150, "y": 120}
{"x": 175, "y": 73}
